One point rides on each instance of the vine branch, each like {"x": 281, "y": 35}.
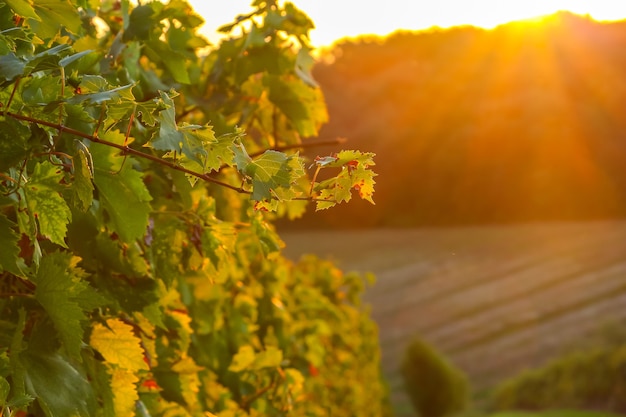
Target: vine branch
{"x": 126, "y": 150}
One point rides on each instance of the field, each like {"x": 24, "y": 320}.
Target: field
{"x": 495, "y": 299}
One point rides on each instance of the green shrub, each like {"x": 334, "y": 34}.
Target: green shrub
{"x": 436, "y": 388}
{"x": 593, "y": 379}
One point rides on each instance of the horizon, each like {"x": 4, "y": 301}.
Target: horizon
{"x": 332, "y": 26}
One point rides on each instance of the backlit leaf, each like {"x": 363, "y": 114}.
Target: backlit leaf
{"x": 82, "y": 190}
{"x": 269, "y": 172}
{"x": 124, "y": 388}
{"x": 22, "y": 8}
{"x": 118, "y": 344}
{"x": 243, "y": 359}
{"x": 55, "y": 14}
{"x": 303, "y": 105}
{"x": 187, "y": 141}
{"x": 46, "y": 204}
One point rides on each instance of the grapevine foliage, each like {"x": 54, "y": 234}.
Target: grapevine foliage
{"x": 140, "y": 170}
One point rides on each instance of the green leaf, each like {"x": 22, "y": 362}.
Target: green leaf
{"x": 9, "y": 243}
{"x": 55, "y": 14}
{"x": 59, "y": 388}
{"x": 82, "y": 187}
{"x": 123, "y": 194}
{"x": 303, "y": 105}
{"x": 269, "y": 172}
{"x": 14, "y": 143}
{"x": 4, "y": 390}
{"x": 11, "y": 67}
{"x": 64, "y": 62}
{"x": 22, "y": 8}
{"x": 141, "y": 22}
{"x": 175, "y": 62}
{"x": 45, "y": 204}
{"x": 47, "y": 59}
{"x": 189, "y": 140}
{"x": 58, "y": 288}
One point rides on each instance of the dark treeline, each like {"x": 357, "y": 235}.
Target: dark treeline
{"x": 523, "y": 122}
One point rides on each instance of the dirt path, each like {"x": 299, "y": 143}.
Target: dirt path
{"x": 495, "y": 299}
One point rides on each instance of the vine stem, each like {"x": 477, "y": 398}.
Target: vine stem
{"x": 127, "y": 150}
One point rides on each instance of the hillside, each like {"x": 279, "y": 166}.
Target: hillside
{"x": 524, "y": 122}
{"x": 495, "y": 299}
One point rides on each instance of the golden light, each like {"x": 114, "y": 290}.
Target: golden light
{"x": 349, "y": 18}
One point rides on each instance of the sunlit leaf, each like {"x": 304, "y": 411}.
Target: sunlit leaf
{"x": 118, "y": 344}
{"x": 124, "y": 388}
{"x": 45, "y": 203}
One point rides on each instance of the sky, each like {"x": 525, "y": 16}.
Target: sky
{"x": 336, "y": 19}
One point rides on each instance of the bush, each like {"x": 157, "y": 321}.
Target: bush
{"x": 593, "y": 379}
{"x": 436, "y": 388}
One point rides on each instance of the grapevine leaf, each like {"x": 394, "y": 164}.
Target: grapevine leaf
{"x": 58, "y": 290}
{"x": 9, "y": 244}
{"x": 64, "y": 62}
{"x": 268, "y": 172}
{"x": 243, "y": 359}
{"x": 355, "y": 175}
{"x": 82, "y": 189}
{"x": 100, "y": 96}
{"x": 269, "y": 358}
{"x": 303, "y": 105}
{"x": 47, "y": 59}
{"x": 141, "y": 22}
{"x": 172, "y": 60}
{"x": 122, "y": 192}
{"x": 242, "y": 159}
{"x": 219, "y": 152}
{"x": 187, "y": 141}
{"x": 59, "y": 388}
{"x": 22, "y": 8}
{"x": 53, "y": 15}
{"x": 199, "y": 139}
{"x": 124, "y": 388}
{"x": 118, "y": 344}
{"x": 46, "y": 204}
{"x": 11, "y": 67}
{"x": 14, "y": 144}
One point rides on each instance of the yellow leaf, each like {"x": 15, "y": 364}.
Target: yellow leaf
{"x": 243, "y": 359}
{"x": 118, "y": 345}
{"x": 123, "y": 385}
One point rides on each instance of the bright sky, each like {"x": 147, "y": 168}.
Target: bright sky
{"x": 335, "y": 19}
